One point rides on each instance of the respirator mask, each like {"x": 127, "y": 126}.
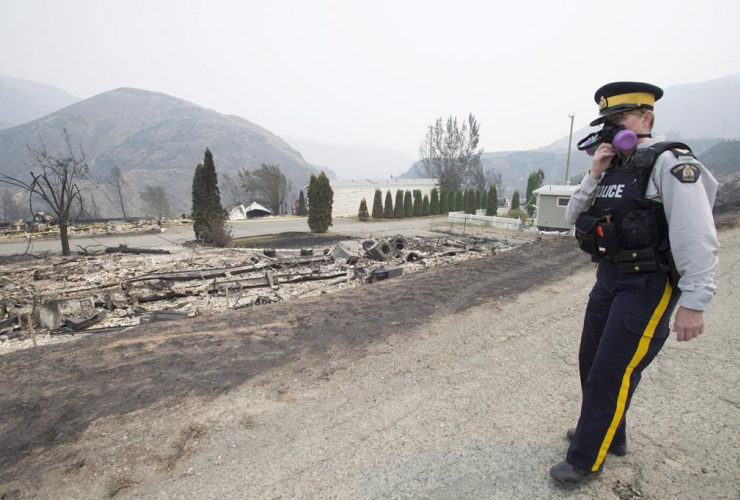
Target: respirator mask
{"x": 617, "y": 135}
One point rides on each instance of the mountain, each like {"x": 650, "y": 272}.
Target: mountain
{"x": 155, "y": 139}
{"x": 723, "y": 160}
{"x": 708, "y": 111}
{"x": 23, "y": 101}
{"x": 515, "y": 167}
{"x": 353, "y": 162}
{"x": 700, "y": 114}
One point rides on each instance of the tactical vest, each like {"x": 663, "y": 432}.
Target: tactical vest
{"x": 624, "y": 226}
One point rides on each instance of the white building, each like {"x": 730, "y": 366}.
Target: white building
{"x": 240, "y": 212}
{"x": 349, "y": 193}
{"x": 551, "y": 203}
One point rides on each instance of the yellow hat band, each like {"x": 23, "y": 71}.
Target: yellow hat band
{"x": 635, "y": 98}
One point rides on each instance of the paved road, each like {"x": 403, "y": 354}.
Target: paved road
{"x": 177, "y": 235}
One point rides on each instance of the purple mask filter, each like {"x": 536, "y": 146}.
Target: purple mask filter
{"x": 590, "y": 143}
{"x": 591, "y": 147}
{"x": 624, "y": 140}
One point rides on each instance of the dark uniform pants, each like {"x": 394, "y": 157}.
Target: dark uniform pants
{"x": 625, "y": 327}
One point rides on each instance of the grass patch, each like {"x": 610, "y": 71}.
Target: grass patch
{"x": 184, "y": 444}
{"x": 118, "y": 483}
{"x": 247, "y": 421}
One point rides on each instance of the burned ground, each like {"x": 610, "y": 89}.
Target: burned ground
{"x": 50, "y": 395}
{"x": 289, "y": 240}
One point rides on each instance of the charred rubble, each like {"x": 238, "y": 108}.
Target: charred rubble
{"x": 119, "y": 288}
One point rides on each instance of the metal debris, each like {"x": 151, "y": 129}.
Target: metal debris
{"x": 76, "y": 324}
{"x": 382, "y": 250}
{"x": 384, "y": 273}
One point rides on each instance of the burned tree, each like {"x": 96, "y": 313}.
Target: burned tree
{"x": 156, "y": 202}
{"x": 117, "y": 183}
{"x": 450, "y": 153}
{"x": 10, "y": 205}
{"x": 268, "y": 185}
{"x": 54, "y": 179}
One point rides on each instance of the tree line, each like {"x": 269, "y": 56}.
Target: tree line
{"x": 440, "y": 201}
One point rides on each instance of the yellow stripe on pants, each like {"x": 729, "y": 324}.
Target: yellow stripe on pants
{"x": 624, "y": 390}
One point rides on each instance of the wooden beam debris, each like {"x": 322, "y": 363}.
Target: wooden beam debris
{"x": 125, "y": 249}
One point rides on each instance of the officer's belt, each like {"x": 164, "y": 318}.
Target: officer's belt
{"x": 643, "y": 260}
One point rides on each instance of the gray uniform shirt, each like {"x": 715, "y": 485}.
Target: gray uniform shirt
{"x": 688, "y": 210}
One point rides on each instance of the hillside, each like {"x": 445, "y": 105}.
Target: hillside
{"x": 723, "y": 160}
{"x": 700, "y": 114}
{"x": 707, "y": 112}
{"x": 515, "y": 167}
{"x": 23, "y": 101}
{"x": 154, "y": 139}
{"x": 353, "y": 162}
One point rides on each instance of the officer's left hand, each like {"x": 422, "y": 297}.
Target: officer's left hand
{"x": 689, "y": 324}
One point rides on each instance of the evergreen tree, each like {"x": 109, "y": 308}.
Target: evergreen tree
{"x": 434, "y": 203}
{"x": 362, "y": 214}
{"x": 478, "y": 199}
{"x": 460, "y": 202}
{"x": 199, "y": 202}
{"x": 408, "y": 206}
{"x": 378, "y": 204}
{"x": 301, "y": 204}
{"x": 398, "y": 211}
{"x": 470, "y": 201}
{"x": 534, "y": 181}
{"x": 418, "y": 210}
{"x": 444, "y": 206}
{"x": 320, "y": 202}
{"x": 425, "y": 206}
{"x": 492, "y": 201}
{"x": 388, "y": 207}
{"x": 515, "y": 200}
{"x": 209, "y": 219}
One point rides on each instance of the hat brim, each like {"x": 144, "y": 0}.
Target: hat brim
{"x": 613, "y": 111}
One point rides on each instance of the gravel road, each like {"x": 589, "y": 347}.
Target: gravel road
{"x": 457, "y": 383}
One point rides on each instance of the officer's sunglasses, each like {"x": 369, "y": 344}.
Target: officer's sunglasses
{"x": 620, "y": 117}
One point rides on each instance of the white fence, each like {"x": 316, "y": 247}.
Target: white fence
{"x": 490, "y": 221}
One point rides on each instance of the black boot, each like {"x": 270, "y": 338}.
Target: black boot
{"x": 566, "y": 475}
{"x": 617, "y": 449}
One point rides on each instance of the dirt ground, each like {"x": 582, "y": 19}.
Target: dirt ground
{"x": 456, "y": 382}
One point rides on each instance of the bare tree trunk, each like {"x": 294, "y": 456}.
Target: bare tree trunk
{"x": 64, "y": 237}
{"x": 123, "y": 205}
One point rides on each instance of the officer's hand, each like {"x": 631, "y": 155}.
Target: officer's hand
{"x": 689, "y": 324}
{"x": 602, "y": 158}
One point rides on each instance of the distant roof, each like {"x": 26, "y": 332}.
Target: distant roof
{"x": 555, "y": 190}
{"x": 256, "y": 206}
{"x": 232, "y": 206}
{"x": 382, "y": 183}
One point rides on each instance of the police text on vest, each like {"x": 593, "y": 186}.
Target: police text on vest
{"x": 613, "y": 191}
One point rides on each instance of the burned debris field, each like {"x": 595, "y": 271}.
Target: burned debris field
{"x": 53, "y": 300}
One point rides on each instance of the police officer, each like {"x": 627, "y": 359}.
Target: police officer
{"x": 645, "y": 215}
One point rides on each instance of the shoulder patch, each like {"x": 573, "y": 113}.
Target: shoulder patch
{"x": 686, "y": 173}
{"x": 678, "y": 152}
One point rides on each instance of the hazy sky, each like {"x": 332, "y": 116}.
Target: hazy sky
{"x": 374, "y": 73}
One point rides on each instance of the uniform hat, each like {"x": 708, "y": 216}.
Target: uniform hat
{"x": 619, "y": 97}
